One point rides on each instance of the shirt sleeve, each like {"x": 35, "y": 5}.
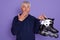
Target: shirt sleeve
{"x": 36, "y": 26}
{"x": 15, "y": 25}
{"x": 13, "y": 29}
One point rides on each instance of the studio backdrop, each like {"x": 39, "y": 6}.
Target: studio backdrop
{"x": 10, "y": 8}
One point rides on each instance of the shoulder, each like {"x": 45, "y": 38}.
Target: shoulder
{"x": 34, "y": 18}
{"x": 15, "y": 17}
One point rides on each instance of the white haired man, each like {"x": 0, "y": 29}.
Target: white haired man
{"x": 24, "y": 25}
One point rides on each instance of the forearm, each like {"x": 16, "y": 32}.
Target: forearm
{"x": 22, "y": 17}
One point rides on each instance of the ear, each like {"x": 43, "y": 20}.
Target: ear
{"x": 53, "y": 19}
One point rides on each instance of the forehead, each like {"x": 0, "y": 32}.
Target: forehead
{"x": 48, "y": 20}
{"x": 25, "y": 4}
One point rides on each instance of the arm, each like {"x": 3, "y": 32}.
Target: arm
{"x": 36, "y": 25}
{"x": 13, "y": 29}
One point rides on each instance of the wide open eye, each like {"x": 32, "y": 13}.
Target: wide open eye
{"x": 50, "y": 21}
{"x": 46, "y": 24}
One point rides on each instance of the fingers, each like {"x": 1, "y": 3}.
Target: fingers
{"x": 42, "y": 17}
{"x": 18, "y": 16}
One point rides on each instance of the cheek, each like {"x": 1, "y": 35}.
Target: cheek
{"x": 28, "y": 9}
{"x": 47, "y": 23}
{"x": 23, "y": 9}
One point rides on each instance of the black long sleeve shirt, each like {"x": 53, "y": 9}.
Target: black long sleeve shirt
{"x": 25, "y": 30}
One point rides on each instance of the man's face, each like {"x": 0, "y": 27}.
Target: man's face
{"x": 25, "y": 7}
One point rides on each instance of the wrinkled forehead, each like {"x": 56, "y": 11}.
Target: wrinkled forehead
{"x": 48, "y": 20}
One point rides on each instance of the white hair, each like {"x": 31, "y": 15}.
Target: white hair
{"x": 26, "y": 2}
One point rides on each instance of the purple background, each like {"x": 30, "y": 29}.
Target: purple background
{"x": 8, "y": 9}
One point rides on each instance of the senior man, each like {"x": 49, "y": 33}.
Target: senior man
{"x": 24, "y": 25}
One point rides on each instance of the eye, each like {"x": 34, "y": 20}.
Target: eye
{"x": 50, "y": 21}
{"x": 46, "y": 24}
